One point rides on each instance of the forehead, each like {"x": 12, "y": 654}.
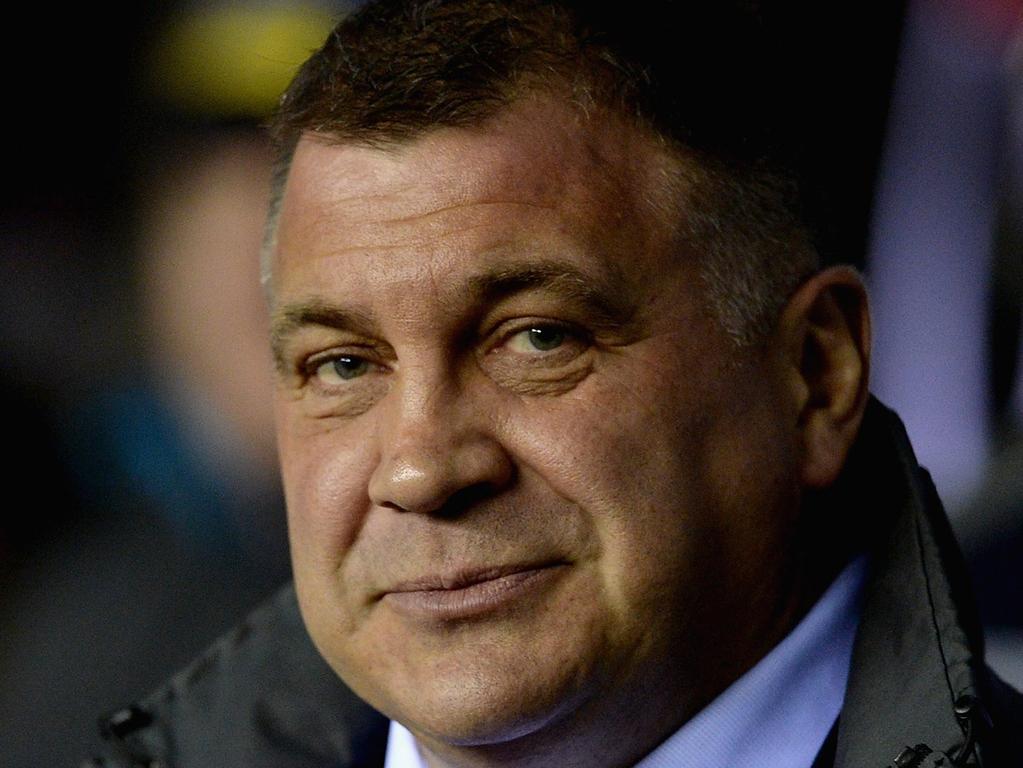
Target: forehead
{"x": 540, "y": 175}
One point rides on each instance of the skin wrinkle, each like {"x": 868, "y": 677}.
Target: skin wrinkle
{"x": 424, "y": 217}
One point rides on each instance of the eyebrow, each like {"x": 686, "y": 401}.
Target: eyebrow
{"x": 603, "y": 298}
{"x": 293, "y": 317}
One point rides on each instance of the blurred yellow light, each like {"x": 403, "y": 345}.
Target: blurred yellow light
{"x": 235, "y": 61}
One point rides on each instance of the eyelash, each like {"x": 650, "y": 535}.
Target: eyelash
{"x": 572, "y": 334}
{"x": 311, "y": 365}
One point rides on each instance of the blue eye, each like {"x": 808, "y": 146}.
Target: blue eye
{"x": 350, "y": 367}
{"x": 344, "y": 367}
{"x": 541, "y": 338}
{"x": 546, "y": 339}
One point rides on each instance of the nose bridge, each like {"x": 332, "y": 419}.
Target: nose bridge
{"x": 434, "y": 441}
{"x": 424, "y": 411}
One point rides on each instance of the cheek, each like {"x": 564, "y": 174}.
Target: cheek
{"x": 755, "y": 455}
{"x": 325, "y": 473}
{"x": 633, "y": 459}
{"x": 615, "y": 442}
{"x": 667, "y": 466}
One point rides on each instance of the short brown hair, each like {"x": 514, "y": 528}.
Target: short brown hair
{"x": 703, "y": 76}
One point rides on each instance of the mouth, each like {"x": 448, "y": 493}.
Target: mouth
{"x": 470, "y": 593}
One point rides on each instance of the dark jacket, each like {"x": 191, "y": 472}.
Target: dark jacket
{"x": 918, "y": 694}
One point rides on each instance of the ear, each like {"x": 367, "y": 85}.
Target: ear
{"x": 824, "y": 339}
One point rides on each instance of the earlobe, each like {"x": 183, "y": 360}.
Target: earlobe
{"x": 825, "y": 329}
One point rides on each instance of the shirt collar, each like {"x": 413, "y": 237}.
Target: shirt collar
{"x": 401, "y": 749}
{"x": 777, "y": 715}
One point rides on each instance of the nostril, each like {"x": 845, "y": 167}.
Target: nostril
{"x": 455, "y": 505}
{"x": 464, "y": 499}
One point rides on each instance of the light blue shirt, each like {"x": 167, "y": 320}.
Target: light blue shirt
{"x": 777, "y": 715}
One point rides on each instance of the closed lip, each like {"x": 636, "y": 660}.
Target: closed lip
{"x": 466, "y": 577}
{"x": 469, "y": 592}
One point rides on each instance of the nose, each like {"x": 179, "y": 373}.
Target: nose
{"x": 438, "y": 452}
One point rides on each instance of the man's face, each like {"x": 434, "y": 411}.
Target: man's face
{"x": 529, "y": 481}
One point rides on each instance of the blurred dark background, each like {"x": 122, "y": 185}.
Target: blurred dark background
{"x": 144, "y": 512}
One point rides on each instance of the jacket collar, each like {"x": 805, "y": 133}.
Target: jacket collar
{"x": 918, "y": 650}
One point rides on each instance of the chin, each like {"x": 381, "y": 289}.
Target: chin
{"x": 503, "y": 730}
{"x": 471, "y": 704}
